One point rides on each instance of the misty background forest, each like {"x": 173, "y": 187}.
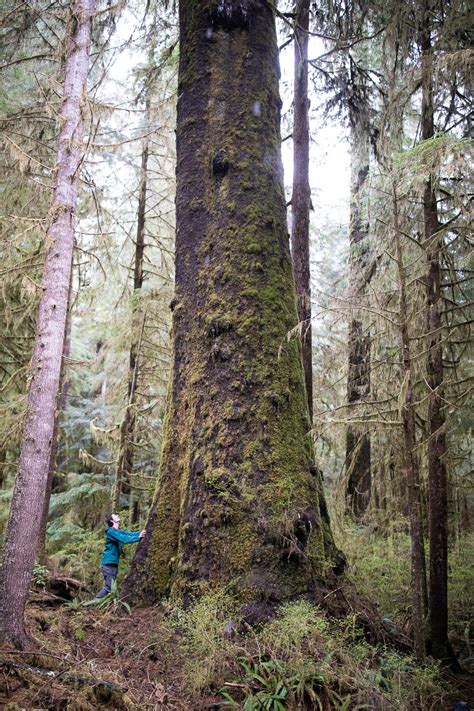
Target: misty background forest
{"x": 235, "y": 310}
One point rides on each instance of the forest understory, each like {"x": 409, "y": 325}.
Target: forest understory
{"x": 347, "y": 648}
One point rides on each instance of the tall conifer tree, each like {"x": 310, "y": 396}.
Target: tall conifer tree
{"x": 39, "y": 428}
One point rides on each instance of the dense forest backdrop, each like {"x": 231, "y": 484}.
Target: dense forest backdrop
{"x": 235, "y": 307}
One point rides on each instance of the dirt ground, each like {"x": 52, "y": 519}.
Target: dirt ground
{"x": 106, "y": 660}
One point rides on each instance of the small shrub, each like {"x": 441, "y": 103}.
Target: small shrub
{"x": 79, "y": 634}
{"x": 40, "y": 576}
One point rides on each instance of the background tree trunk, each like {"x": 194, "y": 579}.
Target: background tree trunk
{"x": 301, "y": 196}
{"x": 418, "y": 561}
{"x": 437, "y": 475}
{"x": 41, "y": 554}
{"x": 31, "y": 483}
{"x": 358, "y": 378}
{"x": 123, "y": 481}
{"x": 239, "y": 501}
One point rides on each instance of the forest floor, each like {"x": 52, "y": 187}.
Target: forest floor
{"x": 114, "y": 658}
{"x": 134, "y": 653}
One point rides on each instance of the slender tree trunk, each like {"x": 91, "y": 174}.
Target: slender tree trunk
{"x": 437, "y": 475}
{"x": 301, "y": 197}
{"x": 358, "y": 379}
{"x": 127, "y": 429}
{"x": 32, "y": 478}
{"x": 418, "y": 563}
{"x": 123, "y": 481}
{"x": 239, "y": 501}
{"x": 41, "y": 554}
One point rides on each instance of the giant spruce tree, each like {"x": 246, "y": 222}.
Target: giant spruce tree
{"x": 239, "y": 499}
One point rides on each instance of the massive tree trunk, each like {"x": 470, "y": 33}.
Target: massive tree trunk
{"x": 412, "y": 474}
{"x": 437, "y": 475}
{"x": 358, "y": 378}
{"x": 239, "y": 501}
{"x": 301, "y": 197}
{"x": 31, "y": 483}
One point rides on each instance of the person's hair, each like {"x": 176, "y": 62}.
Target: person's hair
{"x": 109, "y": 520}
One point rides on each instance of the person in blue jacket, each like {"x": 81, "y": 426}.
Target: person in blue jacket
{"x": 114, "y": 542}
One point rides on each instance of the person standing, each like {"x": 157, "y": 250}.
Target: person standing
{"x": 114, "y": 542}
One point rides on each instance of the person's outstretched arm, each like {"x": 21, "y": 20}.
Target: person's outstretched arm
{"x": 124, "y": 536}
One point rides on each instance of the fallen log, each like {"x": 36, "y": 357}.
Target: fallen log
{"x": 65, "y": 587}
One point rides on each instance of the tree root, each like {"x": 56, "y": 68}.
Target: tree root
{"x": 63, "y": 676}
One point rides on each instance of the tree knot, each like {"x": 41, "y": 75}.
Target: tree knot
{"x": 220, "y": 163}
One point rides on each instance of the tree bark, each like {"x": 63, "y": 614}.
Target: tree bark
{"x": 437, "y": 475}
{"x": 239, "y": 501}
{"x": 41, "y": 554}
{"x": 31, "y": 483}
{"x": 418, "y": 562}
{"x": 301, "y": 196}
{"x": 359, "y": 480}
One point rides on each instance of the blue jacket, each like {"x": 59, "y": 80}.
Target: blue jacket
{"x": 114, "y": 540}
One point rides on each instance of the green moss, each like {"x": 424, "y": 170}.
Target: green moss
{"x": 254, "y": 248}
{"x": 220, "y": 481}
{"x": 163, "y": 543}
{"x": 218, "y": 321}
{"x": 241, "y": 546}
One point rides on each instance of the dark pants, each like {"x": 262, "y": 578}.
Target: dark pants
{"x": 110, "y": 573}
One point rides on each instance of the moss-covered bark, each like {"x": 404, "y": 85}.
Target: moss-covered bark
{"x": 239, "y": 500}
